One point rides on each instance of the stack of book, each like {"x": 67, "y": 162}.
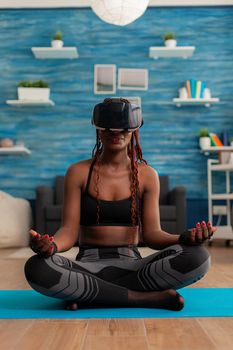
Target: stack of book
{"x": 195, "y": 88}
{"x": 215, "y": 140}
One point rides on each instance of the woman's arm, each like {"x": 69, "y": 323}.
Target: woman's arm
{"x": 152, "y": 234}
{"x": 67, "y": 235}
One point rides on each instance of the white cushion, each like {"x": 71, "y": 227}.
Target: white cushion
{"x": 15, "y": 221}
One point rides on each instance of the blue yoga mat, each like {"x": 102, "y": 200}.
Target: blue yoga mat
{"x": 199, "y": 302}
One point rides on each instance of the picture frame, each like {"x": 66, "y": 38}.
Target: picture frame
{"x": 104, "y": 78}
{"x": 132, "y": 79}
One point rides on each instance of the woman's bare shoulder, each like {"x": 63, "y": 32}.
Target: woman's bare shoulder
{"x": 147, "y": 171}
{"x": 82, "y": 164}
{"x": 148, "y": 178}
{"x": 79, "y": 170}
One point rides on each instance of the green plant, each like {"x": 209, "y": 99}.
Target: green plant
{"x": 40, "y": 84}
{"x": 203, "y": 132}
{"x": 25, "y": 83}
{"x": 33, "y": 84}
{"x": 57, "y": 36}
{"x": 169, "y": 36}
{"x": 231, "y": 139}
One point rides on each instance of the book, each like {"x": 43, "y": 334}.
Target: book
{"x": 202, "y": 89}
{"x": 215, "y": 140}
{"x": 193, "y": 87}
{"x": 188, "y": 88}
{"x": 225, "y": 139}
{"x": 198, "y": 89}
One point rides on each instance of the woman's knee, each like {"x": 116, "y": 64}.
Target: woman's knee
{"x": 39, "y": 271}
{"x": 31, "y": 267}
{"x": 200, "y": 258}
{"x": 192, "y": 258}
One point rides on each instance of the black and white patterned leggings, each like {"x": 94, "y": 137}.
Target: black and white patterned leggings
{"x": 103, "y": 276}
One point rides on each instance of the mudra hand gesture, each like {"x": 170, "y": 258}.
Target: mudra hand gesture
{"x": 198, "y": 234}
{"x": 43, "y": 245}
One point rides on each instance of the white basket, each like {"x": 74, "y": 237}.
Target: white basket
{"x": 36, "y": 94}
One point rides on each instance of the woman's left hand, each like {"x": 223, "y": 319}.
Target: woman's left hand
{"x": 43, "y": 245}
{"x": 198, "y": 234}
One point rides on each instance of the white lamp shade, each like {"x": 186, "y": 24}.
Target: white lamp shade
{"x": 119, "y": 12}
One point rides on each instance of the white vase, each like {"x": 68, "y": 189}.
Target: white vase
{"x": 170, "y": 43}
{"x": 57, "y": 44}
{"x": 204, "y": 142}
{"x": 207, "y": 93}
{"x": 183, "y": 93}
{"x": 35, "y": 94}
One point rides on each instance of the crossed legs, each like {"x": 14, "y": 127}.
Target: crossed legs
{"x": 147, "y": 282}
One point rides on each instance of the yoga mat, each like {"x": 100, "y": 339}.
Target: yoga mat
{"x": 199, "y": 302}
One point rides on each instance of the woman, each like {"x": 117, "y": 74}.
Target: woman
{"x": 108, "y": 200}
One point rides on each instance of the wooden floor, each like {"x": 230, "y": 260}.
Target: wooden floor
{"x": 123, "y": 334}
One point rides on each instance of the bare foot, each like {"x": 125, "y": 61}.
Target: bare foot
{"x": 168, "y": 299}
{"x": 71, "y": 305}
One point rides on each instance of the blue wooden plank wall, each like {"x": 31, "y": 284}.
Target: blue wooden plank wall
{"x": 61, "y": 135}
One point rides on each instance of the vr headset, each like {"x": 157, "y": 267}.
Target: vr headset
{"x": 117, "y": 114}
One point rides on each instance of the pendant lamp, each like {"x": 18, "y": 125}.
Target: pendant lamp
{"x": 119, "y": 12}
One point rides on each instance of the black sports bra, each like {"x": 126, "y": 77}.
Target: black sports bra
{"x": 111, "y": 213}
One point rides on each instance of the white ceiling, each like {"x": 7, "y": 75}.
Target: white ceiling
{"x": 84, "y": 3}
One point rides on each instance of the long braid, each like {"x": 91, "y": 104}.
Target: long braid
{"x": 133, "y": 185}
{"x": 96, "y": 155}
{"x": 98, "y": 146}
{"x": 135, "y": 154}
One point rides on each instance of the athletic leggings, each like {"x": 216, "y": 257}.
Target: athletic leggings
{"x": 103, "y": 276}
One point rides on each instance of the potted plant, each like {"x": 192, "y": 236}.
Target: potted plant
{"x": 169, "y": 39}
{"x": 231, "y": 141}
{"x": 204, "y": 139}
{"x": 57, "y": 42}
{"x": 37, "y": 90}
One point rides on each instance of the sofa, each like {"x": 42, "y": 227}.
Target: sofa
{"x": 49, "y": 202}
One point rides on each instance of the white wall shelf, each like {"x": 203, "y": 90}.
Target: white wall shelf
{"x": 20, "y": 150}
{"x": 221, "y": 150}
{"x": 30, "y": 102}
{"x": 53, "y": 53}
{"x": 195, "y": 101}
{"x": 218, "y": 149}
{"x": 167, "y": 52}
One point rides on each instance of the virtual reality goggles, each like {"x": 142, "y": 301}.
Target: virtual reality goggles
{"x": 117, "y": 114}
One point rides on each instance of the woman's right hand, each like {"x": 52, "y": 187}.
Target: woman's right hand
{"x": 43, "y": 245}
